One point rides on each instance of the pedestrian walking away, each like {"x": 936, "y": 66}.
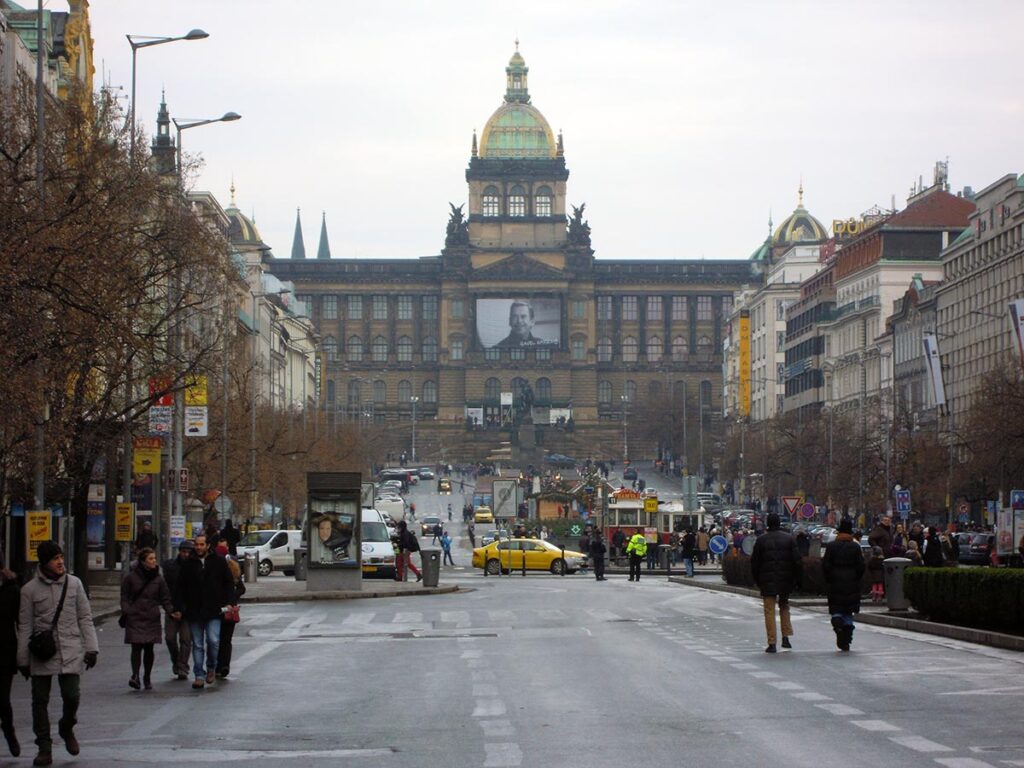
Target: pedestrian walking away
{"x": 449, "y": 511}
{"x": 177, "y": 633}
{"x": 775, "y": 566}
{"x": 143, "y": 593}
{"x": 689, "y": 546}
{"x": 54, "y": 605}
{"x": 597, "y": 553}
{"x": 636, "y": 550}
{"x": 230, "y": 616}
{"x": 446, "y": 546}
{"x": 10, "y": 597}
{"x": 843, "y": 568}
{"x": 407, "y": 544}
{"x": 204, "y": 590}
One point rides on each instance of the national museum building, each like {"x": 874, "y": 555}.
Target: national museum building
{"x": 515, "y": 320}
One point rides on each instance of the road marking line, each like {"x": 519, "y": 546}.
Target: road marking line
{"x": 842, "y": 710}
{"x": 485, "y": 690}
{"x": 763, "y": 675}
{"x": 172, "y": 755}
{"x": 358, "y": 618}
{"x": 920, "y": 744}
{"x": 875, "y": 725}
{"x": 475, "y": 663}
{"x": 489, "y": 708}
{"x": 502, "y": 755}
{"x": 962, "y": 762}
{"x": 475, "y": 654}
{"x": 483, "y": 676}
{"x": 408, "y": 617}
{"x": 459, "y": 618}
{"x": 810, "y": 696}
{"x": 786, "y": 685}
{"x": 497, "y": 728}
{"x": 728, "y": 659}
{"x": 745, "y": 665}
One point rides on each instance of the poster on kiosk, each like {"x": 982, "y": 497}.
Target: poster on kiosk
{"x": 333, "y": 520}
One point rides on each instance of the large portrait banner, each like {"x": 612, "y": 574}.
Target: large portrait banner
{"x": 515, "y": 323}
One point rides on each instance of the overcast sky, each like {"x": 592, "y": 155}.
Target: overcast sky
{"x": 684, "y": 122}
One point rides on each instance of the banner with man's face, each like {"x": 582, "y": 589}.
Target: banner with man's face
{"x": 518, "y": 323}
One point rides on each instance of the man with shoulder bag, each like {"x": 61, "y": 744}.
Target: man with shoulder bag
{"x": 56, "y": 636}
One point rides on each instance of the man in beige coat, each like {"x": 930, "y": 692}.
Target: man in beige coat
{"x": 76, "y": 643}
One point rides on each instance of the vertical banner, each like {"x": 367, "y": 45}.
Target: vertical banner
{"x": 37, "y": 530}
{"x": 1004, "y": 532}
{"x": 123, "y": 520}
{"x": 744, "y": 393}
{"x": 195, "y": 390}
{"x": 934, "y": 363}
{"x": 1017, "y": 315}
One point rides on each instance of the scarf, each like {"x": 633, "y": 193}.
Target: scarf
{"x": 844, "y": 537}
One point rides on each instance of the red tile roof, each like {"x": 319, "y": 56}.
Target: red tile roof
{"x": 937, "y": 209}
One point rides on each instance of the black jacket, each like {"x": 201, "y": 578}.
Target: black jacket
{"x": 775, "y": 563}
{"x": 689, "y": 544}
{"x": 933, "y": 555}
{"x": 171, "y": 570}
{"x": 204, "y": 587}
{"x": 597, "y": 547}
{"x": 843, "y": 568}
{"x": 10, "y": 600}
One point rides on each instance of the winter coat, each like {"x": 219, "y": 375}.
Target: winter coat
{"x": 597, "y": 548}
{"x": 881, "y": 536}
{"x": 775, "y": 563}
{"x": 75, "y": 633}
{"x": 689, "y": 543}
{"x": 876, "y": 569}
{"x": 204, "y": 587}
{"x": 702, "y": 541}
{"x": 843, "y": 567}
{"x": 171, "y": 570}
{"x": 143, "y": 594}
{"x": 10, "y": 597}
{"x": 933, "y": 556}
{"x": 238, "y": 586}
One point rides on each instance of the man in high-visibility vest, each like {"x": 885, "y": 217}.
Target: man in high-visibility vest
{"x": 636, "y": 549}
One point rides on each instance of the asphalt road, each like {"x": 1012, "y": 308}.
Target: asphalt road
{"x": 555, "y": 671}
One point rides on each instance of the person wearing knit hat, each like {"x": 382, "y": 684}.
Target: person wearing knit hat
{"x": 843, "y": 567}
{"x": 75, "y": 638}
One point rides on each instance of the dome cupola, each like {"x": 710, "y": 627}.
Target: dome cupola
{"x": 517, "y": 129}
{"x": 799, "y": 227}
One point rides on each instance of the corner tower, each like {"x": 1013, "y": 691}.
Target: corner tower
{"x": 517, "y": 177}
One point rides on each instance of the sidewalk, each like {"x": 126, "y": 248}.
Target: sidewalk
{"x": 880, "y": 616}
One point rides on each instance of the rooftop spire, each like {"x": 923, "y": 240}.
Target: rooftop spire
{"x": 298, "y": 247}
{"x": 324, "y": 251}
{"x": 473, "y": 151}
{"x": 515, "y": 76}
{"x": 800, "y": 192}
{"x": 232, "y": 188}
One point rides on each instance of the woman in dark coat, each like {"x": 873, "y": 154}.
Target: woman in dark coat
{"x": 10, "y": 599}
{"x": 143, "y": 593}
{"x": 227, "y": 628}
{"x": 933, "y": 555}
{"x": 843, "y": 567}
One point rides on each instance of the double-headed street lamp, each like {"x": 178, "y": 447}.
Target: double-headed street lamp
{"x": 414, "y": 400}
{"x": 185, "y": 123}
{"x": 625, "y": 440}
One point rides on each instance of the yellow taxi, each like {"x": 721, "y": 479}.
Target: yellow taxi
{"x": 508, "y": 554}
{"x": 483, "y": 515}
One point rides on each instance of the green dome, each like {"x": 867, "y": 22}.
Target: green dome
{"x": 517, "y": 130}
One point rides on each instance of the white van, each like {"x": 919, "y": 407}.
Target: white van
{"x": 274, "y": 550}
{"x": 395, "y": 508}
{"x": 378, "y": 553}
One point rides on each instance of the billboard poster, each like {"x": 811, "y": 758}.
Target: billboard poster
{"x": 332, "y": 539}
{"x": 744, "y": 393}
{"x": 475, "y": 415}
{"x": 1018, "y": 528}
{"x": 1004, "y": 532}
{"x": 932, "y": 361}
{"x": 37, "y": 530}
{"x": 516, "y": 323}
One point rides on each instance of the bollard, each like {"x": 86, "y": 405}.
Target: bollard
{"x": 524, "y": 565}
{"x": 563, "y": 560}
{"x": 251, "y": 568}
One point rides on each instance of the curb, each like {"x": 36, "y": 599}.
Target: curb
{"x": 348, "y": 595}
{"x": 890, "y": 620}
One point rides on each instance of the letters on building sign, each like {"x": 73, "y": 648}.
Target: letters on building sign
{"x": 843, "y": 228}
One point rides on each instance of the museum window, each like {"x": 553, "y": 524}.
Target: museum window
{"x": 354, "y": 395}
{"x": 579, "y": 309}
{"x": 654, "y": 349}
{"x": 704, "y": 345}
{"x": 380, "y": 350}
{"x": 429, "y": 392}
{"x": 604, "y": 307}
{"x": 380, "y": 307}
{"x": 543, "y": 201}
{"x": 679, "y": 313}
{"x": 329, "y": 308}
{"x": 704, "y": 308}
{"x": 404, "y": 349}
{"x": 517, "y": 354}
{"x": 654, "y": 390}
{"x": 306, "y": 302}
{"x": 604, "y": 350}
{"x": 380, "y": 392}
{"x": 492, "y": 354}
{"x": 491, "y": 202}
{"x": 726, "y": 306}
{"x": 330, "y": 390}
{"x": 355, "y": 307}
{"x": 430, "y": 307}
{"x": 604, "y": 392}
{"x": 405, "y": 307}
{"x": 629, "y": 308}
{"x": 492, "y": 389}
{"x": 456, "y": 307}
{"x": 629, "y": 350}
{"x": 517, "y": 202}
{"x": 654, "y": 308}
{"x": 630, "y": 391}
{"x": 705, "y": 393}
{"x": 354, "y": 352}
{"x": 404, "y": 391}
{"x": 455, "y": 348}
{"x": 544, "y": 390}
{"x": 430, "y": 350}
{"x": 542, "y": 353}
{"x": 579, "y": 349}
{"x": 330, "y": 349}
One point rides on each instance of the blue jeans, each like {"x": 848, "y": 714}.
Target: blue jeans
{"x": 205, "y": 646}
{"x": 688, "y": 562}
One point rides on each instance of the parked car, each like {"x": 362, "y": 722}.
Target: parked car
{"x": 426, "y": 473}
{"x": 273, "y": 550}
{"x": 428, "y": 523}
{"x": 979, "y": 551}
{"x": 378, "y": 552}
{"x": 539, "y": 556}
{"x": 483, "y": 515}
{"x": 492, "y": 535}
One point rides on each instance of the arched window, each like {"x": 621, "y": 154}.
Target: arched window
{"x": 679, "y": 348}
{"x": 604, "y": 392}
{"x": 330, "y": 390}
{"x": 354, "y": 395}
{"x": 704, "y": 344}
{"x": 604, "y": 350}
{"x": 544, "y": 390}
{"x": 491, "y": 202}
{"x": 654, "y": 390}
{"x": 517, "y": 201}
{"x": 330, "y": 349}
{"x": 429, "y": 350}
{"x": 380, "y": 392}
{"x": 654, "y": 349}
{"x": 404, "y": 349}
{"x": 631, "y": 390}
{"x": 542, "y": 202}
{"x": 404, "y": 391}
{"x": 429, "y": 392}
{"x": 492, "y": 389}
{"x": 355, "y": 349}
{"x": 579, "y": 348}
{"x": 380, "y": 350}
{"x": 455, "y": 347}
{"x": 629, "y": 350}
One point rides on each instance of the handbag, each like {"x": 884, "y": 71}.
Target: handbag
{"x": 231, "y": 613}
{"x": 43, "y": 644}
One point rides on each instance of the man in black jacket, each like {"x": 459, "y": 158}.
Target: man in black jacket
{"x": 775, "y": 565}
{"x": 177, "y": 633}
{"x": 843, "y": 567}
{"x": 204, "y": 589}
{"x": 597, "y": 553}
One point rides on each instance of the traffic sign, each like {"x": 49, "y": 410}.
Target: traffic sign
{"x": 807, "y": 511}
{"x": 903, "y": 503}
{"x": 718, "y": 544}
{"x": 791, "y": 503}
{"x": 1017, "y": 499}
{"x": 575, "y": 530}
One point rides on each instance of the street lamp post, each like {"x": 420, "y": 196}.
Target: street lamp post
{"x": 414, "y": 400}
{"x": 625, "y": 438}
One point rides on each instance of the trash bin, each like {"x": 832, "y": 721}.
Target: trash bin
{"x": 300, "y": 563}
{"x": 252, "y": 566}
{"x": 664, "y": 552}
{"x": 431, "y": 566}
{"x": 894, "y": 597}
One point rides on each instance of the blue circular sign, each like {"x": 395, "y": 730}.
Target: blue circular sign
{"x": 718, "y": 544}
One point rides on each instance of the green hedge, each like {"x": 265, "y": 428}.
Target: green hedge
{"x": 986, "y": 598}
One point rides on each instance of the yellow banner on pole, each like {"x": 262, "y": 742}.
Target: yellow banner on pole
{"x": 37, "y": 530}
{"x": 146, "y": 456}
{"x": 195, "y": 390}
{"x": 123, "y": 519}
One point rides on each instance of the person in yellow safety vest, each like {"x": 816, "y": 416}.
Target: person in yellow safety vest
{"x": 636, "y": 549}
